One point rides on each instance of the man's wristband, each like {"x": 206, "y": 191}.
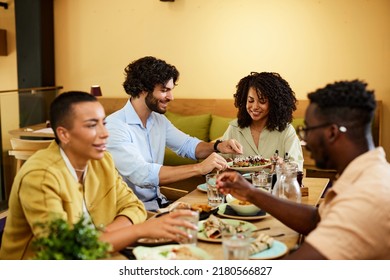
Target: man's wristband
{"x": 216, "y": 146}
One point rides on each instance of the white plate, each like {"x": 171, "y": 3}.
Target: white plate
{"x": 277, "y": 250}
{"x": 202, "y": 236}
{"x": 250, "y": 168}
{"x": 221, "y": 212}
{"x": 248, "y": 176}
{"x": 202, "y": 187}
{"x": 164, "y": 252}
{"x": 154, "y": 241}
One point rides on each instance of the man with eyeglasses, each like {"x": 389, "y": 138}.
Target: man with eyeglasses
{"x": 353, "y": 221}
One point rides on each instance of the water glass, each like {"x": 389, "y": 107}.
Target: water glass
{"x": 262, "y": 180}
{"x": 214, "y": 197}
{"x": 236, "y": 245}
{"x": 192, "y": 234}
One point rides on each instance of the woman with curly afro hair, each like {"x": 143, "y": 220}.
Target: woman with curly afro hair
{"x": 265, "y": 103}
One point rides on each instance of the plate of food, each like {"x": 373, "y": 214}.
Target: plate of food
{"x": 204, "y": 210}
{"x": 154, "y": 241}
{"x": 170, "y": 252}
{"x": 277, "y": 250}
{"x": 211, "y": 229}
{"x": 202, "y": 187}
{"x": 226, "y": 211}
{"x": 249, "y": 164}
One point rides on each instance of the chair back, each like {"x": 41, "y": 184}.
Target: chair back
{"x": 22, "y": 149}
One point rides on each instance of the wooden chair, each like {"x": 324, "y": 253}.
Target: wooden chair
{"x": 172, "y": 194}
{"x": 22, "y": 149}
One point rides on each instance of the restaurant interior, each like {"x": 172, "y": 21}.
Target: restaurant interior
{"x": 51, "y": 46}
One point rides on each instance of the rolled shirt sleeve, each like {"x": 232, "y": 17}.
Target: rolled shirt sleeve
{"x": 138, "y": 151}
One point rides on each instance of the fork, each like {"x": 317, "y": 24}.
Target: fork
{"x": 267, "y": 228}
{"x": 261, "y": 229}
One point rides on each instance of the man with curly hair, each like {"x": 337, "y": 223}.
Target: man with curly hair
{"x": 353, "y": 221}
{"x": 265, "y": 103}
{"x": 139, "y": 133}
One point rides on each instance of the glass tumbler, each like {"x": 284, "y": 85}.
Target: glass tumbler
{"x": 214, "y": 197}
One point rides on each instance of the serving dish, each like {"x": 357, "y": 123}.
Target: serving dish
{"x": 250, "y": 168}
{"x": 241, "y": 207}
{"x": 224, "y": 211}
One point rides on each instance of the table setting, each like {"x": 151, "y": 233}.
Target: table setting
{"x": 284, "y": 238}
{"x": 209, "y": 207}
{"x": 229, "y": 241}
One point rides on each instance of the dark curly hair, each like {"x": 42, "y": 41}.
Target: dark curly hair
{"x": 271, "y": 86}
{"x": 347, "y": 103}
{"x": 147, "y": 72}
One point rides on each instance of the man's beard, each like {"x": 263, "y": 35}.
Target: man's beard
{"x": 152, "y": 104}
{"x": 322, "y": 161}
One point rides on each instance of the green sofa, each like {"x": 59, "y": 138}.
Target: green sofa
{"x": 206, "y": 127}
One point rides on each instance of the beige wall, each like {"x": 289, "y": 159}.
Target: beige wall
{"x": 8, "y": 69}
{"x": 214, "y": 43}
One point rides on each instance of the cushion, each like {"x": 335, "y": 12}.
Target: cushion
{"x": 171, "y": 158}
{"x": 218, "y": 126}
{"x": 297, "y": 122}
{"x": 197, "y": 126}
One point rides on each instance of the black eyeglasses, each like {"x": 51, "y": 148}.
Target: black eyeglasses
{"x": 301, "y": 130}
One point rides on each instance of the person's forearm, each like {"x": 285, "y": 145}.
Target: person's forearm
{"x": 118, "y": 223}
{"x": 121, "y": 233}
{"x": 299, "y": 217}
{"x": 204, "y": 149}
{"x": 171, "y": 174}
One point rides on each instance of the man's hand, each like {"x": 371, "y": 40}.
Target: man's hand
{"x": 231, "y": 146}
{"x": 213, "y": 161}
{"x": 235, "y": 184}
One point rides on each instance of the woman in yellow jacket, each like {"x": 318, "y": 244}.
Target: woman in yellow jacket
{"x": 75, "y": 176}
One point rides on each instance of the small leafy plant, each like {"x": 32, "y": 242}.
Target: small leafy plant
{"x": 61, "y": 241}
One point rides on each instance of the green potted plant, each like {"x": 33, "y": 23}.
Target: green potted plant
{"x": 61, "y": 241}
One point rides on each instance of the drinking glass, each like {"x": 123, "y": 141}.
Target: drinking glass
{"x": 214, "y": 197}
{"x": 192, "y": 234}
{"x": 262, "y": 180}
{"x": 236, "y": 245}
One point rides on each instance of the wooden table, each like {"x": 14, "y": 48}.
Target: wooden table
{"x": 316, "y": 188}
{"x": 32, "y": 131}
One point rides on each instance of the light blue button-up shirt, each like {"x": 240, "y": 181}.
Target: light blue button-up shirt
{"x": 138, "y": 151}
